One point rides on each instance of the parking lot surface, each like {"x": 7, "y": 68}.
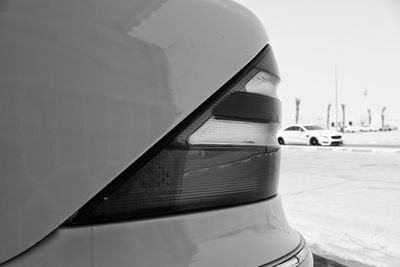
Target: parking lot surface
{"x": 389, "y": 138}
{"x": 346, "y": 204}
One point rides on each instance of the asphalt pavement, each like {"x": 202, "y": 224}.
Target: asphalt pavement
{"x": 346, "y": 204}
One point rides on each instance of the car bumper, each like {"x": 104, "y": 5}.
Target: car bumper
{"x": 331, "y": 142}
{"x": 302, "y": 257}
{"x": 248, "y": 235}
{"x": 308, "y": 262}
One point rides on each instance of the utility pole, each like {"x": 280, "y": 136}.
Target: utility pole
{"x": 336, "y": 100}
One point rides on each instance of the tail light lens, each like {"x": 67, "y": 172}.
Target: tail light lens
{"x": 225, "y": 153}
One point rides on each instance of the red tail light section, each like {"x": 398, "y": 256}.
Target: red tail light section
{"x": 225, "y": 153}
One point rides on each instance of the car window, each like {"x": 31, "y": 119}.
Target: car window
{"x": 292, "y": 128}
{"x": 313, "y": 127}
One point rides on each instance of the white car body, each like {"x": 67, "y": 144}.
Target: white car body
{"x": 298, "y": 134}
{"x": 87, "y": 87}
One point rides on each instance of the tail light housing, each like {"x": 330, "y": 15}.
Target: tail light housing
{"x": 225, "y": 153}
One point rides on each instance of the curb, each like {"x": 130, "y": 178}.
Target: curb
{"x": 344, "y": 149}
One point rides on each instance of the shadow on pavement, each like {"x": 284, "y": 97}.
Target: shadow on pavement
{"x": 323, "y": 262}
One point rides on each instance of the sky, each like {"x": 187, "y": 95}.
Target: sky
{"x": 361, "y": 38}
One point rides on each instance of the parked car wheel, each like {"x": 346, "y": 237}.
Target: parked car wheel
{"x": 314, "y": 141}
{"x": 281, "y": 141}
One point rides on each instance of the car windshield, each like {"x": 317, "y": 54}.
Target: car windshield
{"x": 313, "y": 127}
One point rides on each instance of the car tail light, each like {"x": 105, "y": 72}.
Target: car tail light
{"x": 224, "y": 153}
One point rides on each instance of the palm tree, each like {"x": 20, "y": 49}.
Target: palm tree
{"x": 328, "y": 111}
{"x": 369, "y": 116}
{"x": 344, "y": 115}
{"x": 383, "y": 116}
{"x": 297, "y": 109}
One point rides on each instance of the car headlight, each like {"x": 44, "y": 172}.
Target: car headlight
{"x": 324, "y": 136}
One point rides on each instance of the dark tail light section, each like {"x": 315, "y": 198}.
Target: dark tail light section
{"x": 225, "y": 153}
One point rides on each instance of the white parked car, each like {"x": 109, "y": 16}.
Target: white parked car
{"x": 307, "y": 134}
{"x": 349, "y": 129}
{"x": 368, "y": 128}
{"x": 388, "y": 128}
{"x": 122, "y": 142}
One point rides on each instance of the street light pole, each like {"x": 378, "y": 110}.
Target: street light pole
{"x": 336, "y": 99}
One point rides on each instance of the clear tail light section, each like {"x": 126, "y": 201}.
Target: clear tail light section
{"x": 233, "y": 133}
{"x": 225, "y": 153}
